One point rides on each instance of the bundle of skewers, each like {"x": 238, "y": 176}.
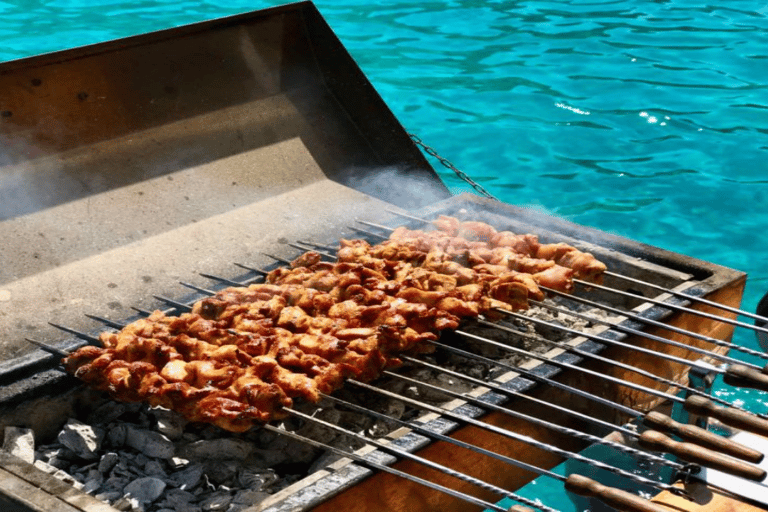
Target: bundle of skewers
{"x": 243, "y": 355}
{"x": 240, "y": 357}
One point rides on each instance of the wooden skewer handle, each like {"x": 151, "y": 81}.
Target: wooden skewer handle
{"x": 520, "y": 508}
{"x": 616, "y": 498}
{"x": 696, "y": 435}
{"x": 744, "y": 377}
{"x": 652, "y": 440}
{"x": 733, "y": 417}
{"x": 764, "y": 369}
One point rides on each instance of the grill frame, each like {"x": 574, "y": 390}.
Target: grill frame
{"x": 345, "y": 480}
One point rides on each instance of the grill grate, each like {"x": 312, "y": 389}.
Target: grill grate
{"x": 569, "y": 355}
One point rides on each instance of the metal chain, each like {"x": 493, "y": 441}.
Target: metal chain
{"x": 447, "y": 164}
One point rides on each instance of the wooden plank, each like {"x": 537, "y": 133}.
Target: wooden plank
{"x": 51, "y": 486}
{"x": 706, "y": 499}
{"x": 18, "y": 495}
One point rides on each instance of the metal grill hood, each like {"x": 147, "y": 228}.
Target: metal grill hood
{"x": 130, "y": 162}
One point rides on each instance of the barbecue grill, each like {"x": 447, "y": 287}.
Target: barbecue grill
{"x": 132, "y": 165}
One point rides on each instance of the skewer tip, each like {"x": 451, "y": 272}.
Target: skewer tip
{"x": 48, "y": 348}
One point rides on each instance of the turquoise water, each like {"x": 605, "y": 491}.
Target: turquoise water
{"x": 645, "y": 119}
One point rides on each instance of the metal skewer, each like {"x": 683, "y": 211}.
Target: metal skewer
{"x": 687, "y": 469}
{"x": 618, "y": 364}
{"x": 687, "y": 472}
{"x": 734, "y": 374}
{"x": 656, "y": 323}
{"x": 629, "y": 330}
{"x": 252, "y": 269}
{"x": 308, "y": 246}
{"x": 83, "y": 336}
{"x": 316, "y": 245}
{"x": 366, "y": 232}
{"x": 552, "y": 426}
{"x": 48, "y": 348}
{"x": 228, "y": 281}
{"x": 277, "y": 258}
{"x": 527, "y": 440}
{"x": 687, "y": 296}
{"x": 374, "y": 225}
{"x": 644, "y": 283}
{"x": 198, "y": 288}
{"x": 407, "y": 455}
{"x": 654, "y": 420}
{"x": 580, "y": 435}
{"x": 673, "y": 307}
{"x": 380, "y": 467}
{"x": 634, "y": 504}
{"x": 728, "y": 416}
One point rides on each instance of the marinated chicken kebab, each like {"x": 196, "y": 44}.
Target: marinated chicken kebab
{"x": 242, "y": 356}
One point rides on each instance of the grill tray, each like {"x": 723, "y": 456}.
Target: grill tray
{"x": 34, "y": 375}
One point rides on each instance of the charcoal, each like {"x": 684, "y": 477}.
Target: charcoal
{"x": 178, "y": 462}
{"x": 20, "y": 442}
{"x": 122, "y": 468}
{"x": 219, "y": 500}
{"x": 219, "y": 449}
{"x": 84, "y": 440}
{"x": 271, "y": 458}
{"x": 145, "y": 490}
{"x": 116, "y": 435}
{"x": 106, "y": 413}
{"x": 128, "y": 503}
{"x": 169, "y": 423}
{"x": 154, "y": 468}
{"x": 116, "y": 483}
{"x": 324, "y": 460}
{"x": 94, "y": 474}
{"x": 107, "y": 462}
{"x": 222, "y": 472}
{"x": 149, "y": 443}
{"x": 256, "y": 480}
{"x": 109, "y": 496}
{"x": 187, "y": 478}
{"x": 91, "y": 486}
{"x": 188, "y": 507}
{"x": 176, "y": 498}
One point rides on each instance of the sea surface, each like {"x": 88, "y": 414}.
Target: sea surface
{"x": 648, "y": 119}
